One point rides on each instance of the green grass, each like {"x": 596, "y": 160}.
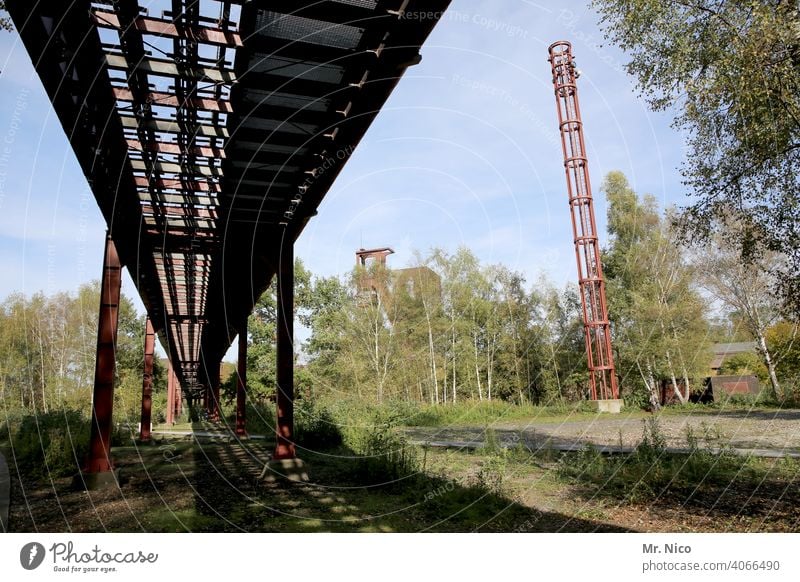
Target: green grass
{"x": 650, "y": 473}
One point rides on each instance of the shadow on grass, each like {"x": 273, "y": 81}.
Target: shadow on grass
{"x": 342, "y": 497}
{"x": 179, "y": 485}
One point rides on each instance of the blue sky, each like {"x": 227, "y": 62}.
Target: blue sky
{"x": 466, "y": 152}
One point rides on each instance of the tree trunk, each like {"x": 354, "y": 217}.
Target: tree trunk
{"x": 686, "y": 381}
{"x": 377, "y": 366}
{"x": 454, "y": 362}
{"x": 477, "y": 369}
{"x": 432, "y": 352}
{"x": 489, "y": 366}
{"x": 649, "y": 383}
{"x": 773, "y": 378}
{"x": 675, "y": 388}
{"x": 42, "y": 378}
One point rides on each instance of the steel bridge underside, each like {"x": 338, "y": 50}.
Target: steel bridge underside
{"x": 210, "y": 133}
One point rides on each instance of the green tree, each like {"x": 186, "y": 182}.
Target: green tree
{"x": 745, "y": 287}
{"x": 783, "y": 339}
{"x": 658, "y": 323}
{"x": 744, "y": 364}
{"x": 558, "y": 345}
{"x": 48, "y": 348}
{"x": 262, "y": 337}
{"x": 730, "y": 70}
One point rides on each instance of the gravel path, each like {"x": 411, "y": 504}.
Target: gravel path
{"x": 778, "y": 431}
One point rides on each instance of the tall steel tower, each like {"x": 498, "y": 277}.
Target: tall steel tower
{"x": 602, "y": 376}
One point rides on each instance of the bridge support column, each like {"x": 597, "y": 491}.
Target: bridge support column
{"x": 241, "y": 383}
{"x": 215, "y": 407}
{"x": 178, "y": 399}
{"x": 172, "y": 394}
{"x": 210, "y": 374}
{"x": 147, "y": 381}
{"x": 98, "y": 468}
{"x": 284, "y": 447}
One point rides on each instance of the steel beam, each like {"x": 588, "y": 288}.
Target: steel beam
{"x": 284, "y": 446}
{"x": 165, "y": 28}
{"x": 147, "y": 381}
{"x": 165, "y": 126}
{"x": 161, "y": 147}
{"x": 241, "y": 383}
{"x": 162, "y": 99}
{"x": 99, "y": 458}
{"x": 167, "y": 68}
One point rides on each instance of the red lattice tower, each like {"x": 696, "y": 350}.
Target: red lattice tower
{"x": 602, "y": 376}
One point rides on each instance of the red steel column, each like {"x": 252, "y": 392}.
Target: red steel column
{"x": 215, "y": 408}
{"x": 99, "y": 458}
{"x": 241, "y": 383}
{"x": 207, "y": 406}
{"x": 177, "y": 398}
{"x": 597, "y": 329}
{"x": 284, "y": 447}
{"x": 170, "y": 394}
{"x": 147, "y": 380}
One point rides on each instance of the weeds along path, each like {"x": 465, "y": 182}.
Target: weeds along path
{"x": 775, "y": 432}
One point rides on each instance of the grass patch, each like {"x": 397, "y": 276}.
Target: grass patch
{"x": 467, "y": 412}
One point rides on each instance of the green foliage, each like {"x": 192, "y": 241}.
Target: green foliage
{"x": 262, "y": 337}
{"x": 315, "y": 426}
{"x": 383, "y": 454}
{"x": 50, "y": 445}
{"x": 445, "y": 330}
{"x": 491, "y": 442}
{"x": 658, "y": 318}
{"x": 783, "y": 340}
{"x": 744, "y": 364}
{"x": 47, "y": 353}
{"x": 492, "y": 473}
{"x": 651, "y": 471}
{"x": 745, "y": 285}
{"x": 653, "y": 444}
{"x": 731, "y": 72}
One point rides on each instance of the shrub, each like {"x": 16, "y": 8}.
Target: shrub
{"x": 52, "y": 444}
{"x": 315, "y": 425}
{"x": 385, "y": 455}
{"x": 492, "y": 473}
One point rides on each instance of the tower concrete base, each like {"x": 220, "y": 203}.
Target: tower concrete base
{"x": 610, "y": 406}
